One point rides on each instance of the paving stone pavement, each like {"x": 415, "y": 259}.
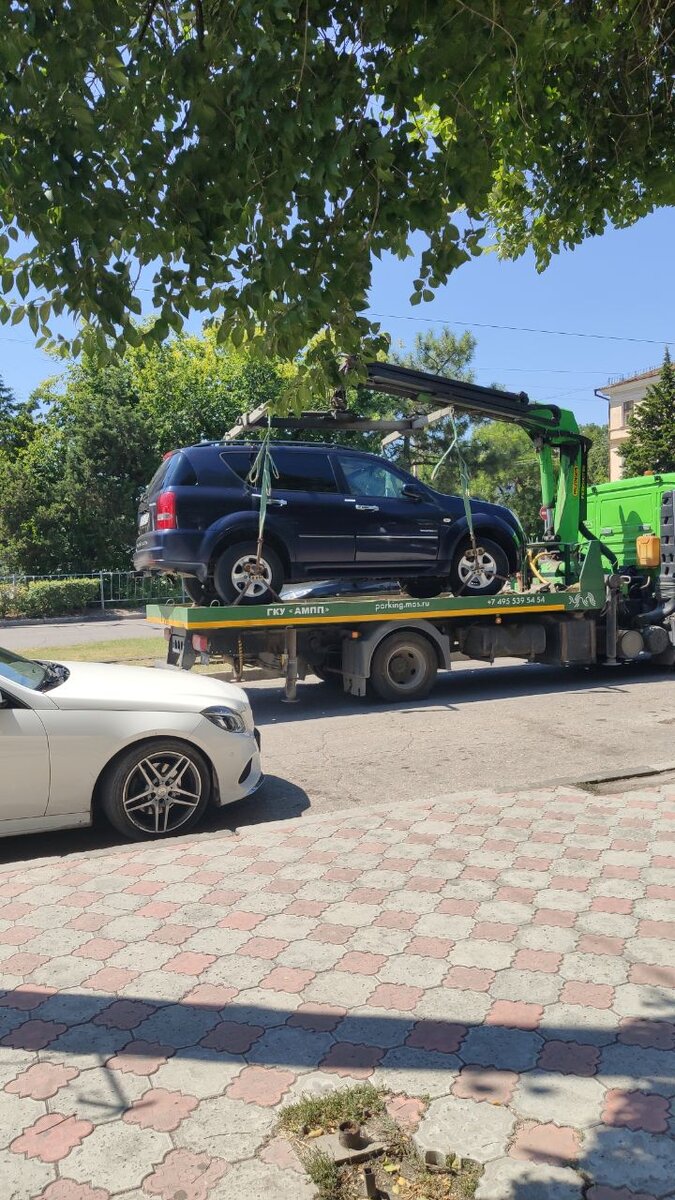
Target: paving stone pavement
{"x": 511, "y": 957}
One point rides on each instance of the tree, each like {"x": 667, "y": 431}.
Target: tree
{"x": 650, "y": 445}
{"x": 16, "y": 422}
{"x": 194, "y": 388}
{"x": 598, "y": 455}
{"x": 442, "y": 353}
{"x": 250, "y": 160}
{"x": 69, "y": 494}
{"x": 69, "y": 498}
{"x": 505, "y": 470}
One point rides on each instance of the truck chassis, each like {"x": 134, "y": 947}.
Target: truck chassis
{"x": 397, "y": 644}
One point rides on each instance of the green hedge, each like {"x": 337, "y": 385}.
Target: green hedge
{"x": 47, "y": 597}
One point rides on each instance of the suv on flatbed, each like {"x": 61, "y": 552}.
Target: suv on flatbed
{"x": 332, "y": 512}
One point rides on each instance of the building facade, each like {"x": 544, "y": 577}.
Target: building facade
{"x": 623, "y": 396}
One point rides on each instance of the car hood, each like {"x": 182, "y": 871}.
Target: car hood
{"x": 107, "y": 686}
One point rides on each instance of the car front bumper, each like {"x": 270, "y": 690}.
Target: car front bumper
{"x": 235, "y": 758}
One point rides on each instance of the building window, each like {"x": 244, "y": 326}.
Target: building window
{"x": 626, "y": 409}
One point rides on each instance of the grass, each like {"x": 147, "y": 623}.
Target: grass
{"x": 139, "y": 651}
{"x": 399, "y": 1172}
{"x": 327, "y": 1112}
{"x": 133, "y": 652}
{"x": 325, "y": 1174}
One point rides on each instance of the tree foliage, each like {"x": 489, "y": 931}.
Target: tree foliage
{"x": 598, "y": 455}
{"x": 16, "y": 422}
{"x": 68, "y": 497}
{"x": 251, "y": 159}
{"x": 650, "y": 445}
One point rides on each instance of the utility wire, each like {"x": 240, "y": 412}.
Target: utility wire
{"x": 604, "y": 337}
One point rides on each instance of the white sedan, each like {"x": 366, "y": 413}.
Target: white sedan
{"x": 149, "y": 748}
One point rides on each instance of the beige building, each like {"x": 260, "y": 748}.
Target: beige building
{"x": 623, "y": 395}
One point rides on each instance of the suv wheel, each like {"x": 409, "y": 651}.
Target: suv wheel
{"x": 423, "y": 588}
{"x": 481, "y": 576}
{"x": 201, "y": 594}
{"x": 235, "y": 576}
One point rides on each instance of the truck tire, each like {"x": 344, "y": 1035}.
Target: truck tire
{"x": 229, "y": 575}
{"x": 403, "y": 667}
{"x": 493, "y": 568}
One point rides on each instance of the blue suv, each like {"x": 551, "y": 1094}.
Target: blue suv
{"x": 332, "y": 513}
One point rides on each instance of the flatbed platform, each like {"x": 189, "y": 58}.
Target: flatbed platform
{"x": 394, "y": 641}
{"x": 378, "y": 608}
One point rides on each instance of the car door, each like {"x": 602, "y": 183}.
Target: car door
{"x": 396, "y": 521}
{"x": 306, "y": 499}
{"x": 24, "y": 754}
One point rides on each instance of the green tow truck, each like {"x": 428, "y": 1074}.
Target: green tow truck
{"x": 582, "y": 596}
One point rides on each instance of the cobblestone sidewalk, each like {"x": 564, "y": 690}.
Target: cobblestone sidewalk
{"x": 510, "y": 957}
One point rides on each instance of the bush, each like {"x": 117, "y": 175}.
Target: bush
{"x": 48, "y": 597}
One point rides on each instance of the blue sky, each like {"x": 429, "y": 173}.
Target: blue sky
{"x": 619, "y": 286}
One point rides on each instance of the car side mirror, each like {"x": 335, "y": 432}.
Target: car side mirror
{"x": 411, "y": 492}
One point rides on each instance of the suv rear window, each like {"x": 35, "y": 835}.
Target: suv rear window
{"x": 239, "y": 461}
{"x": 175, "y": 469}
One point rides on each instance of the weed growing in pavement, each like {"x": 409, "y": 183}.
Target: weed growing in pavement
{"x": 399, "y": 1170}
{"x": 327, "y": 1112}
{"x": 325, "y": 1174}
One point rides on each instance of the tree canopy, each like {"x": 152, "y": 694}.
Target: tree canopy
{"x": 248, "y": 160}
{"x": 90, "y": 441}
{"x": 650, "y": 445}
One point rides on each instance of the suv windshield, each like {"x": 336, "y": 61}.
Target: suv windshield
{"x": 22, "y": 670}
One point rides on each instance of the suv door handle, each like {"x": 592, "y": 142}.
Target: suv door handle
{"x": 367, "y": 508}
{"x": 271, "y": 500}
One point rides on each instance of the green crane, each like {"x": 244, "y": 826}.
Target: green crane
{"x": 563, "y": 499}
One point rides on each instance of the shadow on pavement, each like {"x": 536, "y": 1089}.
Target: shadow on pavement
{"x": 139, "y": 1036}
{"x": 453, "y": 690}
{"x": 277, "y": 800}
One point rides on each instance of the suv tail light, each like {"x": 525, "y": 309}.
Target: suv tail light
{"x": 165, "y": 515}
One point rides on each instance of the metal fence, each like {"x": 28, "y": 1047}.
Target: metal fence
{"x": 117, "y": 589}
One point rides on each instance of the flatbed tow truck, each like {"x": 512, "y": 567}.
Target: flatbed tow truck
{"x": 563, "y": 607}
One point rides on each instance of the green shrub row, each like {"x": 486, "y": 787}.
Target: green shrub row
{"x": 47, "y": 597}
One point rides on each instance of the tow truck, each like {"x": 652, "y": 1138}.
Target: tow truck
{"x": 571, "y": 603}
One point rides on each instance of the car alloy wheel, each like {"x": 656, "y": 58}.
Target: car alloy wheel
{"x": 249, "y": 579}
{"x": 162, "y": 792}
{"x": 477, "y": 571}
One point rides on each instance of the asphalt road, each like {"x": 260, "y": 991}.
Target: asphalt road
{"x": 506, "y": 726}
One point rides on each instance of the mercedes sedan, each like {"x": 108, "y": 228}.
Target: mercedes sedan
{"x": 150, "y": 749}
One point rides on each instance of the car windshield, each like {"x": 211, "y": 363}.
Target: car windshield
{"x": 16, "y": 669}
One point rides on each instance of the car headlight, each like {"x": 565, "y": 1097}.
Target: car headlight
{"x": 225, "y": 718}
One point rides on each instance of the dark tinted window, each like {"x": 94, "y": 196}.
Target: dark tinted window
{"x": 369, "y": 477}
{"x": 239, "y": 461}
{"x": 173, "y": 470}
{"x": 303, "y": 471}
{"x": 181, "y": 471}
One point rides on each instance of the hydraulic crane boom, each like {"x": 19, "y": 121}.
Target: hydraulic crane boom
{"x": 549, "y": 427}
